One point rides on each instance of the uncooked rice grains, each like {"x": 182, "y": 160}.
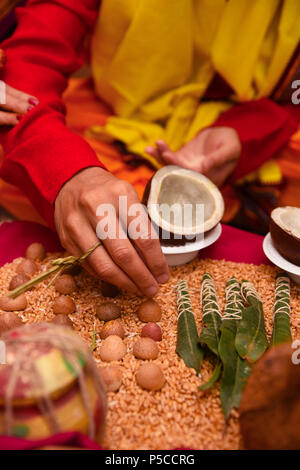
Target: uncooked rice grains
{"x": 178, "y": 415}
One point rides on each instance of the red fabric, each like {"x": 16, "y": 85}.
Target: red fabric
{"x": 263, "y": 127}
{"x": 40, "y": 152}
{"x": 72, "y": 439}
{"x": 233, "y": 245}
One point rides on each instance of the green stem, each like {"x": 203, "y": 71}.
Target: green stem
{"x": 59, "y": 265}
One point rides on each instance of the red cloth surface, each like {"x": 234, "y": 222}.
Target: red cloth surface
{"x": 233, "y": 245}
{"x": 68, "y": 439}
{"x": 41, "y": 154}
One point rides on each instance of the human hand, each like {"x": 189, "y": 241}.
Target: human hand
{"x": 214, "y": 152}
{"x": 13, "y": 103}
{"x": 134, "y": 265}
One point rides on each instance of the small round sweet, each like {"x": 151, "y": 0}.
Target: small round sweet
{"x": 63, "y": 304}
{"x": 35, "y": 252}
{"x": 112, "y": 327}
{"x": 62, "y": 320}
{"x": 108, "y": 311}
{"x": 150, "y": 376}
{"x": 109, "y": 290}
{"x": 8, "y": 321}
{"x": 112, "y": 349}
{"x": 145, "y": 348}
{"x": 11, "y": 305}
{"x": 152, "y": 330}
{"x": 149, "y": 311}
{"x": 27, "y": 266}
{"x": 65, "y": 284}
{"x": 112, "y": 378}
{"x": 18, "y": 280}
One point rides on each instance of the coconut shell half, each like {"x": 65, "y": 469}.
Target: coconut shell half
{"x": 285, "y": 232}
{"x": 176, "y": 187}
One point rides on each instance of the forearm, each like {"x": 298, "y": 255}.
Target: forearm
{"x": 263, "y": 128}
{"x": 40, "y": 152}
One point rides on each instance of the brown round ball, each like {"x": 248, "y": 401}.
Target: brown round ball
{"x": 112, "y": 327}
{"x": 10, "y": 305}
{"x": 145, "y": 348}
{"x": 18, "y": 280}
{"x": 108, "y": 311}
{"x": 270, "y": 405}
{"x": 35, "y": 252}
{"x": 63, "y": 304}
{"x": 8, "y": 321}
{"x": 27, "y": 266}
{"x": 152, "y": 330}
{"x": 150, "y": 376}
{"x": 112, "y": 349}
{"x": 112, "y": 378}
{"x": 149, "y": 311}
{"x": 62, "y": 320}
{"x": 65, "y": 284}
{"x": 109, "y": 290}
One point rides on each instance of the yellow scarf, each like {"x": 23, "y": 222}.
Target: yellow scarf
{"x": 152, "y": 61}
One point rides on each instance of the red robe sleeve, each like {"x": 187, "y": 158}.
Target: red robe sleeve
{"x": 264, "y": 128}
{"x": 40, "y": 153}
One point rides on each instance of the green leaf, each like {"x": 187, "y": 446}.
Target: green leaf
{"x": 235, "y": 369}
{"x": 214, "y": 377}
{"x": 251, "y": 339}
{"x": 212, "y": 319}
{"x": 93, "y": 345}
{"x": 20, "y": 430}
{"x": 188, "y": 347}
{"x": 281, "y": 329}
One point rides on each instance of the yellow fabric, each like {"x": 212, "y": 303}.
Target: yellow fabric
{"x": 268, "y": 173}
{"x": 153, "y": 60}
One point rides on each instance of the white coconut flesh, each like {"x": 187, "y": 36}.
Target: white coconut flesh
{"x": 175, "y": 188}
{"x": 288, "y": 219}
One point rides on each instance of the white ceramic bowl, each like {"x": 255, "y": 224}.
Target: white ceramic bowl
{"x": 176, "y": 255}
{"x": 270, "y": 251}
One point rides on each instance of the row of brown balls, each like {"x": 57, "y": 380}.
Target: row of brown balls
{"x": 149, "y": 375}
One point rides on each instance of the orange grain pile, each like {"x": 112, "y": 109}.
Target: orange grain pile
{"x": 179, "y": 415}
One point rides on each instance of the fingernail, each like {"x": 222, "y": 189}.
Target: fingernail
{"x": 151, "y": 291}
{"x": 33, "y": 101}
{"x": 162, "y": 279}
{"x": 30, "y": 108}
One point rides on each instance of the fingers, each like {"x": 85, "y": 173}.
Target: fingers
{"x": 125, "y": 256}
{"x": 146, "y": 240}
{"x": 153, "y": 151}
{"x": 18, "y": 101}
{"x": 99, "y": 263}
{"x": 162, "y": 151}
{"x": 8, "y": 119}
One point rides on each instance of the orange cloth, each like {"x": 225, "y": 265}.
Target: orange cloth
{"x": 84, "y": 109}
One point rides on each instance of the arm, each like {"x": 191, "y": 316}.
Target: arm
{"x": 41, "y": 154}
{"x": 52, "y": 165}
{"x": 263, "y": 128}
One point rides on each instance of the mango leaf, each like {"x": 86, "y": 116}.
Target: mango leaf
{"x": 235, "y": 369}
{"x": 251, "y": 339}
{"x": 213, "y": 378}
{"x": 281, "y": 329}
{"x": 212, "y": 319}
{"x": 188, "y": 347}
